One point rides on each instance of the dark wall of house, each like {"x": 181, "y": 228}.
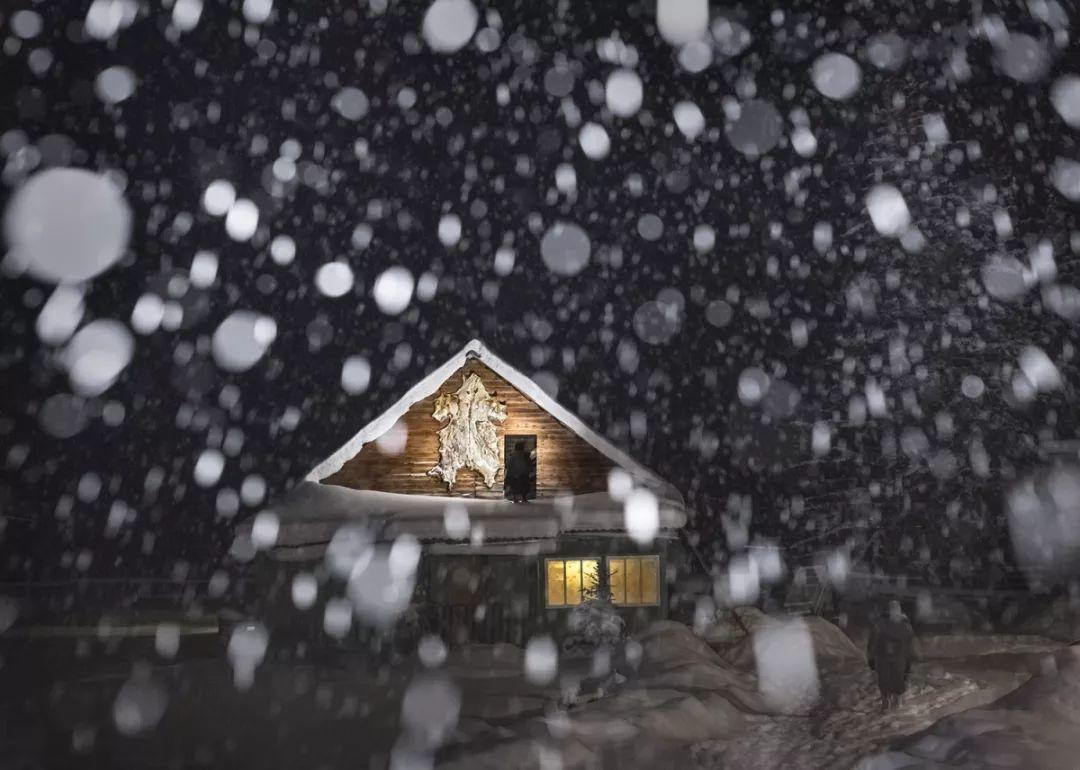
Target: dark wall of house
{"x": 461, "y": 598}
{"x": 511, "y": 591}
{"x": 565, "y": 463}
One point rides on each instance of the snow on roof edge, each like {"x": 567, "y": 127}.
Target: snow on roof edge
{"x": 519, "y": 380}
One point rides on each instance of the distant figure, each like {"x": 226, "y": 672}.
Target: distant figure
{"x": 518, "y": 472}
{"x": 890, "y": 650}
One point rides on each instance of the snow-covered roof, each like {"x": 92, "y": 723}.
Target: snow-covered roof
{"x": 311, "y": 513}
{"x": 431, "y": 383}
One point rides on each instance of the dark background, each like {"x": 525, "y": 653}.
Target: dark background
{"x": 458, "y": 150}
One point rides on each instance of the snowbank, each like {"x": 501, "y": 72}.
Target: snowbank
{"x": 833, "y": 649}
{"x": 1055, "y": 618}
{"x": 1035, "y": 726}
{"x": 673, "y": 656}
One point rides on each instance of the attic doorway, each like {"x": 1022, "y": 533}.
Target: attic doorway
{"x": 510, "y": 447}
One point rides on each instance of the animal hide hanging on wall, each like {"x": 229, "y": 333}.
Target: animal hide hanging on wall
{"x": 469, "y": 439}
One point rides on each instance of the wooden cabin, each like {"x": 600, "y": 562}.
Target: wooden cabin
{"x": 433, "y": 467}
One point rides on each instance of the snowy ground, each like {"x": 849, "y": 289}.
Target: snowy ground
{"x": 689, "y": 706}
{"x": 850, "y": 725}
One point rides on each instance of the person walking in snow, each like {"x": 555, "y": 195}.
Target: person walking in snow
{"x": 890, "y": 650}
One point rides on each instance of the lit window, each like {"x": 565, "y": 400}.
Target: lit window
{"x": 569, "y": 579}
{"x": 634, "y": 580}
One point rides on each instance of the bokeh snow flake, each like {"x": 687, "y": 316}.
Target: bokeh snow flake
{"x": 429, "y": 711}
{"x": 393, "y": 290}
{"x": 247, "y": 648}
{"x": 753, "y": 385}
{"x": 258, "y": 11}
{"x": 9, "y": 612}
{"x": 147, "y": 314}
{"x": 104, "y": 18}
{"x": 242, "y": 339}
{"x": 97, "y": 355}
{"x": 449, "y": 230}
{"x": 541, "y": 660}
{"x": 140, "y": 704}
{"x": 689, "y": 119}
{"x": 337, "y": 617}
{"x": 350, "y": 546}
{"x": 641, "y": 516}
{"x": 682, "y": 21}
{"x": 26, "y": 24}
{"x": 565, "y": 249}
{"x": 456, "y": 522}
{"x": 115, "y": 84}
{"x": 355, "y": 375}
{"x": 1004, "y": 278}
{"x": 350, "y": 103}
{"x": 836, "y": 76}
{"x": 209, "y": 467}
{"x": 449, "y": 25}
{"x": 67, "y": 225}
{"x": 264, "y": 530}
{"x": 283, "y": 250}
{"x": 186, "y": 14}
{"x": 786, "y": 668}
{"x": 594, "y": 140}
{"x": 432, "y": 651}
{"x": 334, "y": 279}
{"x": 1065, "y": 96}
{"x": 60, "y": 315}
{"x": 624, "y": 92}
{"x": 1065, "y": 176}
{"x": 218, "y": 197}
{"x": 1039, "y": 370}
{"x": 167, "y": 639}
{"x": 380, "y": 585}
{"x": 1022, "y": 57}
{"x": 888, "y": 210}
{"x": 242, "y": 220}
{"x": 304, "y": 590}
{"x": 755, "y": 128}
{"x": 887, "y": 51}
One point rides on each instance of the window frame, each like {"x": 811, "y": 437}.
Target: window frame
{"x": 641, "y": 559}
{"x": 600, "y": 565}
{"x": 604, "y": 569}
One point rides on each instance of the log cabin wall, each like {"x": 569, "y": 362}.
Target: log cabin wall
{"x": 565, "y": 463}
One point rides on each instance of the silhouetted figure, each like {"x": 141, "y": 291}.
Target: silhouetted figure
{"x": 890, "y": 650}
{"x": 518, "y": 473}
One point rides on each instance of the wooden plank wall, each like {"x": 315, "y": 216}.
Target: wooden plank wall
{"x": 565, "y": 463}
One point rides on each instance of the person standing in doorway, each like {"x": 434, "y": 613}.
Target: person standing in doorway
{"x": 518, "y": 472}
{"x": 890, "y": 650}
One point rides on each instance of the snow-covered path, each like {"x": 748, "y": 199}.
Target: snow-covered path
{"x": 849, "y": 725}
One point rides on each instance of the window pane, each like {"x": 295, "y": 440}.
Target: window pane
{"x": 573, "y": 582}
{"x": 616, "y": 570}
{"x": 556, "y": 589}
{"x": 633, "y": 580}
{"x": 650, "y": 580}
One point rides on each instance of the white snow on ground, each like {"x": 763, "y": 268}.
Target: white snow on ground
{"x": 689, "y": 704}
{"x": 689, "y": 700}
{"x": 1033, "y": 727}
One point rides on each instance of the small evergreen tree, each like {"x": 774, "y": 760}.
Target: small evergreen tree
{"x": 595, "y": 623}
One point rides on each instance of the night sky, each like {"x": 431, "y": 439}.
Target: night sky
{"x": 647, "y": 343}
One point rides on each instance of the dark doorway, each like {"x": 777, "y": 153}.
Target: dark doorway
{"x": 528, "y": 446}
